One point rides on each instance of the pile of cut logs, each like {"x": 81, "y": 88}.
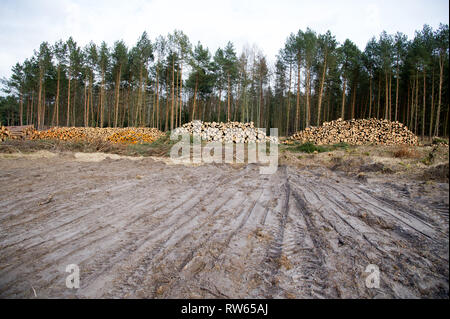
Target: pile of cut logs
{"x": 230, "y": 132}
{"x": 135, "y": 135}
{"x": 16, "y": 132}
{"x": 61, "y": 133}
{"x": 4, "y": 133}
{"x": 358, "y": 132}
{"x": 130, "y": 135}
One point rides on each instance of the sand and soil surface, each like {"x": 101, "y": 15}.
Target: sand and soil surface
{"x": 140, "y": 227}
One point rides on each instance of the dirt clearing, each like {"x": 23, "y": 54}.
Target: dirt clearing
{"x": 145, "y": 229}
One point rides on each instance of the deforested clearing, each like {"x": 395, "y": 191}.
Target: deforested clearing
{"x": 145, "y": 229}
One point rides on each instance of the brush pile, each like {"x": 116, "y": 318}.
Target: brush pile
{"x": 358, "y": 132}
{"x": 130, "y": 135}
{"x": 230, "y": 132}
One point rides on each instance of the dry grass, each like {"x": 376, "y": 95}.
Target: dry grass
{"x": 405, "y": 152}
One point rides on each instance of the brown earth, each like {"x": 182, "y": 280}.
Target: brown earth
{"x": 144, "y": 228}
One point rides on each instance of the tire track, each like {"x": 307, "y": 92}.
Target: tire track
{"x": 113, "y": 234}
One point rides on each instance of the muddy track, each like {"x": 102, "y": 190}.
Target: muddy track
{"x": 144, "y": 229}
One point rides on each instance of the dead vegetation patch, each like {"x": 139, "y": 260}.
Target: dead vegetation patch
{"x": 405, "y": 152}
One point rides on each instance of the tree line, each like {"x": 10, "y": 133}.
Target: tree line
{"x": 167, "y": 81}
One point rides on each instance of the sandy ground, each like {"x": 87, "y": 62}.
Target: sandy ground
{"x": 143, "y": 229}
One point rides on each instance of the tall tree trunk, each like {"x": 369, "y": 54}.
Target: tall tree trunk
{"x": 390, "y": 96}
{"x": 43, "y": 108}
{"x": 158, "y": 126}
{"x": 328, "y": 105}
{"x": 411, "y": 116}
{"x": 379, "y": 97}
{"x": 144, "y": 108}
{"x": 244, "y": 106}
{"x": 416, "y": 131}
{"x": 91, "y": 99}
{"x": 343, "y": 99}
{"x": 204, "y": 110}
{"x": 413, "y": 100}
{"x": 353, "y": 101}
{"x": 370, "y": 96}
{"x": 229, "y": 100}
{"x": 441, "y": 76}
{"x": 97, "y": 120}
{"x": 236, "y": 103}
{"x": 21, "y": 108}
{"x": 172, "y": 92}
{"x": 74, "y": 103}
{"x": 102, "y": 98}
{"x": 116, "y": 107}
{"x": 396, "y": 95}
{"x": 406, "y": 116}
{"x": 319, "y": 104}
{"x": 424, "y": 103}
{"x": 308, "y": 94}
{"x": 139, "y": 101}
{"x": 31, "y": 108}
{"x": 181, "y": 91}
{"x": 39, "y": 99}
{"x": 432, "y": 106}
{"x": 85, "y": 106}
{"x": 166, "y": 126}
{"x": 177, "y": 86}
{"x": 219, "y": 105}
{"x": 28, "y": 110}
{"x": 386, "y": 109}
{"x": 88, "y": 107}
{"x": 126, "y": 107}
{"x": 297, "y": 110}
{"x": 159, "y": 108}
{"x": 261, "y": 102}
{"x": 195, "y": 97}
{"x": 153, "y": 108}
{"x": 242, "y": 101}
{"x": 210, "y": 108}
{"x": 289, "y": 100}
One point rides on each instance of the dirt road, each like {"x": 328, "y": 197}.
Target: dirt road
{"x": 144, "y": 229}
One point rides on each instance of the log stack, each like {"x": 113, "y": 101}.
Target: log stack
{"x": 129, "y": 135}
{"x": 135, "y": 135}
{"x": 358, "y": 132}
{"x": 18, "y": 132}
{"x": 61, "y": 133}
{"x": 4, "y": 133}
{"x": 229, "y": 132}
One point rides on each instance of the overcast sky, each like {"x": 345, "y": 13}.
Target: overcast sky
{"x": 25, "y": 24}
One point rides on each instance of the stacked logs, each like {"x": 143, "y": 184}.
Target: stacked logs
{"x": 358, "y": 132}
{"x": 61, "y": 133}
{"x": 230, "y": 132}
{"x": 17, "y": 132}
{"x": 4, "y": 133}
{"x": 129, "y": 135}
{"x": 135, "y": 135}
